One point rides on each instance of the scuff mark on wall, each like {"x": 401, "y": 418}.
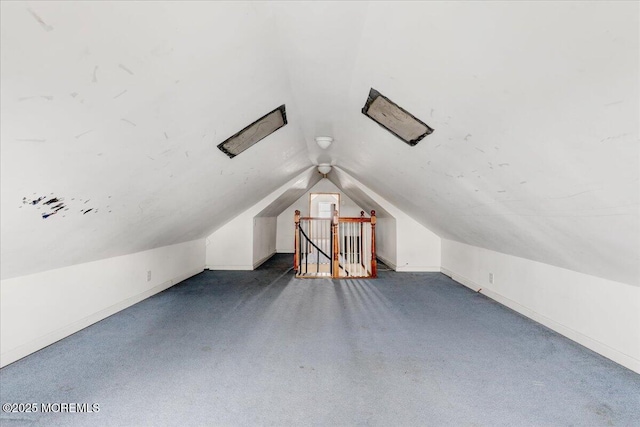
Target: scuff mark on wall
{"x": 576, "y": 194}
{"x": 614, "y": 137}
{"x": 129, "y": 121}
{"x": 54, "y": 205}
{"x": 32, "y": 202}
{"x": 466, "y": 138}
{"x": 94, "y": 79}
{"x": 73, "y": 94}
{"x": 47, "y": 97}
{"x": 479, "y": 149}
{"x": 40, "y": 21}
{"x": 83, "y": 133}
{"x": 166, "y": 136}
{"x": 120, "y": 94}
{"x": 122, "y": 66}
{"x": 31, "y": 140}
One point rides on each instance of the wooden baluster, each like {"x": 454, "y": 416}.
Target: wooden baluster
{"x": 361, "y": 241}
{"x": 374, "y": 263}
{"x": 336, "y": 246}
{"x": 296, "y": 256}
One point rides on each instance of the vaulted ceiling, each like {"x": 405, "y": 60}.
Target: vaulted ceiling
{"x": 118, "y": 107}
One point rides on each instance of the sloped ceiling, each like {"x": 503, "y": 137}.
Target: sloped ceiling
{"x": 119, "y": 107}
{"x": 535, "y": 109}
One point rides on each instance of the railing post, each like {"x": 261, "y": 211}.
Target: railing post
{"x": 374, "y": 263}
{"x": 336, "y": 245}
{"x": 361, "y": 241}
{"x": 296, "y": 244}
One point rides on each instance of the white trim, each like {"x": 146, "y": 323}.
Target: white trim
{"x": 592, "y": 344}
{"x": 263, "y": 260}
{"x": 52, "y": 337}
{"x": 229, "y": 267}
{"x": 418, "y": 269}
{"x": 387, "y": 262}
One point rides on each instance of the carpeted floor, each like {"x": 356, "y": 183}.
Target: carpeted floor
{"x": 262, "y": 348}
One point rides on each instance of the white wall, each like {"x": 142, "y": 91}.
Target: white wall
{"x": 386, "y": 240}
{"x": 285, "y": 238}
{"x": 249, "y": 238}
{"x": 264, "y": 239}
{"x": 42, "y": 308}
{"x": 231, "y": 246}
{"x": 600, "y": 314}
{"x": 416, "y": 247}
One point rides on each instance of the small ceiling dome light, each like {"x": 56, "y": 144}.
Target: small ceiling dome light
{"x": 324, "y": 141}
{"x": 324, "y": 168}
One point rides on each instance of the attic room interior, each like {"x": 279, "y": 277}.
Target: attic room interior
{"x": 327, "y": 213}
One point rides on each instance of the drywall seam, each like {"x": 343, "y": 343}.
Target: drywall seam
{"x": 582, "y": 339}
{"x": 54, "y": 336}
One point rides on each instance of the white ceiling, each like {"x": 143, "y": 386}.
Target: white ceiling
{"x": 535, "y": 109}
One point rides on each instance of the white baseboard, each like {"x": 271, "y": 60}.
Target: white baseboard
{"x": 52, "y": 337}
{"x": 387, "y": 262}
{"x": 263, "y": 260}
{"x": 229, "y": 267}
{"x": 418, "y": 269}
{"x": 592, "y": 344}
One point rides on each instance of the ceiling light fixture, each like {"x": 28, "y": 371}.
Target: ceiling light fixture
{"x": 324, "y": 168}
{"x": 324, "y": 141}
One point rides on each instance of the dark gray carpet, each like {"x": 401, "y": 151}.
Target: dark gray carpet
{"x": 262, "y": 348}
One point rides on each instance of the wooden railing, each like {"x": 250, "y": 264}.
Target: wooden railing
{"x": 335, "y": 247}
